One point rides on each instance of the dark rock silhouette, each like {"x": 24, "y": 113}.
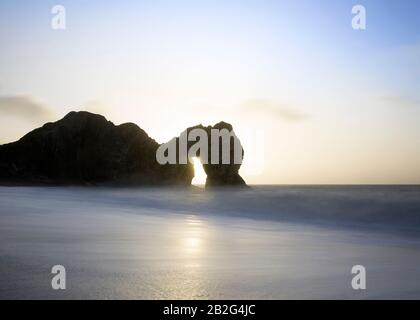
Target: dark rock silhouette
{"x": 86, "y": 149}
{"x": 221, "y": 174}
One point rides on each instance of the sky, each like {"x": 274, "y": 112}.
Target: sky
{"x": 313, "y": 100}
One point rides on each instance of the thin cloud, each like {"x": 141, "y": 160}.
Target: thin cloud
{"x": 409, "y": 54}
{"x": 274, "y": 108}
{"x": 400, "y": 101}
{"x": 23, "y": 106}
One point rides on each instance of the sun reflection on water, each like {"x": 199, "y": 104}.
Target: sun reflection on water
{"x": 192, "y": 242}
{"x": 187, "y": 278}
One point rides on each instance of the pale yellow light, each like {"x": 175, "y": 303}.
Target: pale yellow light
{"x": 199, "y": 174}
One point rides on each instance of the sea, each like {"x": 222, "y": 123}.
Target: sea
{"x": 261, "y": 242}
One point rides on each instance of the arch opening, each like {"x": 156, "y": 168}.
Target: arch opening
{"x": 200, "y": 175}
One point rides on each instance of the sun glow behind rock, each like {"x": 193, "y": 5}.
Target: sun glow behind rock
{"x": 199, "y": 174}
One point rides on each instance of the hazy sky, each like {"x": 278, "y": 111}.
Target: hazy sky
{"x": 312, "y": 100}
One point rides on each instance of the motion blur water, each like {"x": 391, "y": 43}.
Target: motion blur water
{"x": 261, "y": 243}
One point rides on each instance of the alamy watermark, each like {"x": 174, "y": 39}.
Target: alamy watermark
{"x": 359, "y": 280}
{"x": 209, "y": 150}
{"x": 58, "y": 282}
{"x": 359, "y": 19}
{"x": 58, "y": 21}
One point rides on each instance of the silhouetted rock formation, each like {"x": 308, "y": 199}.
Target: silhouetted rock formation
{"x": 221, "y": 174}
{"x": 86, "y": 149}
